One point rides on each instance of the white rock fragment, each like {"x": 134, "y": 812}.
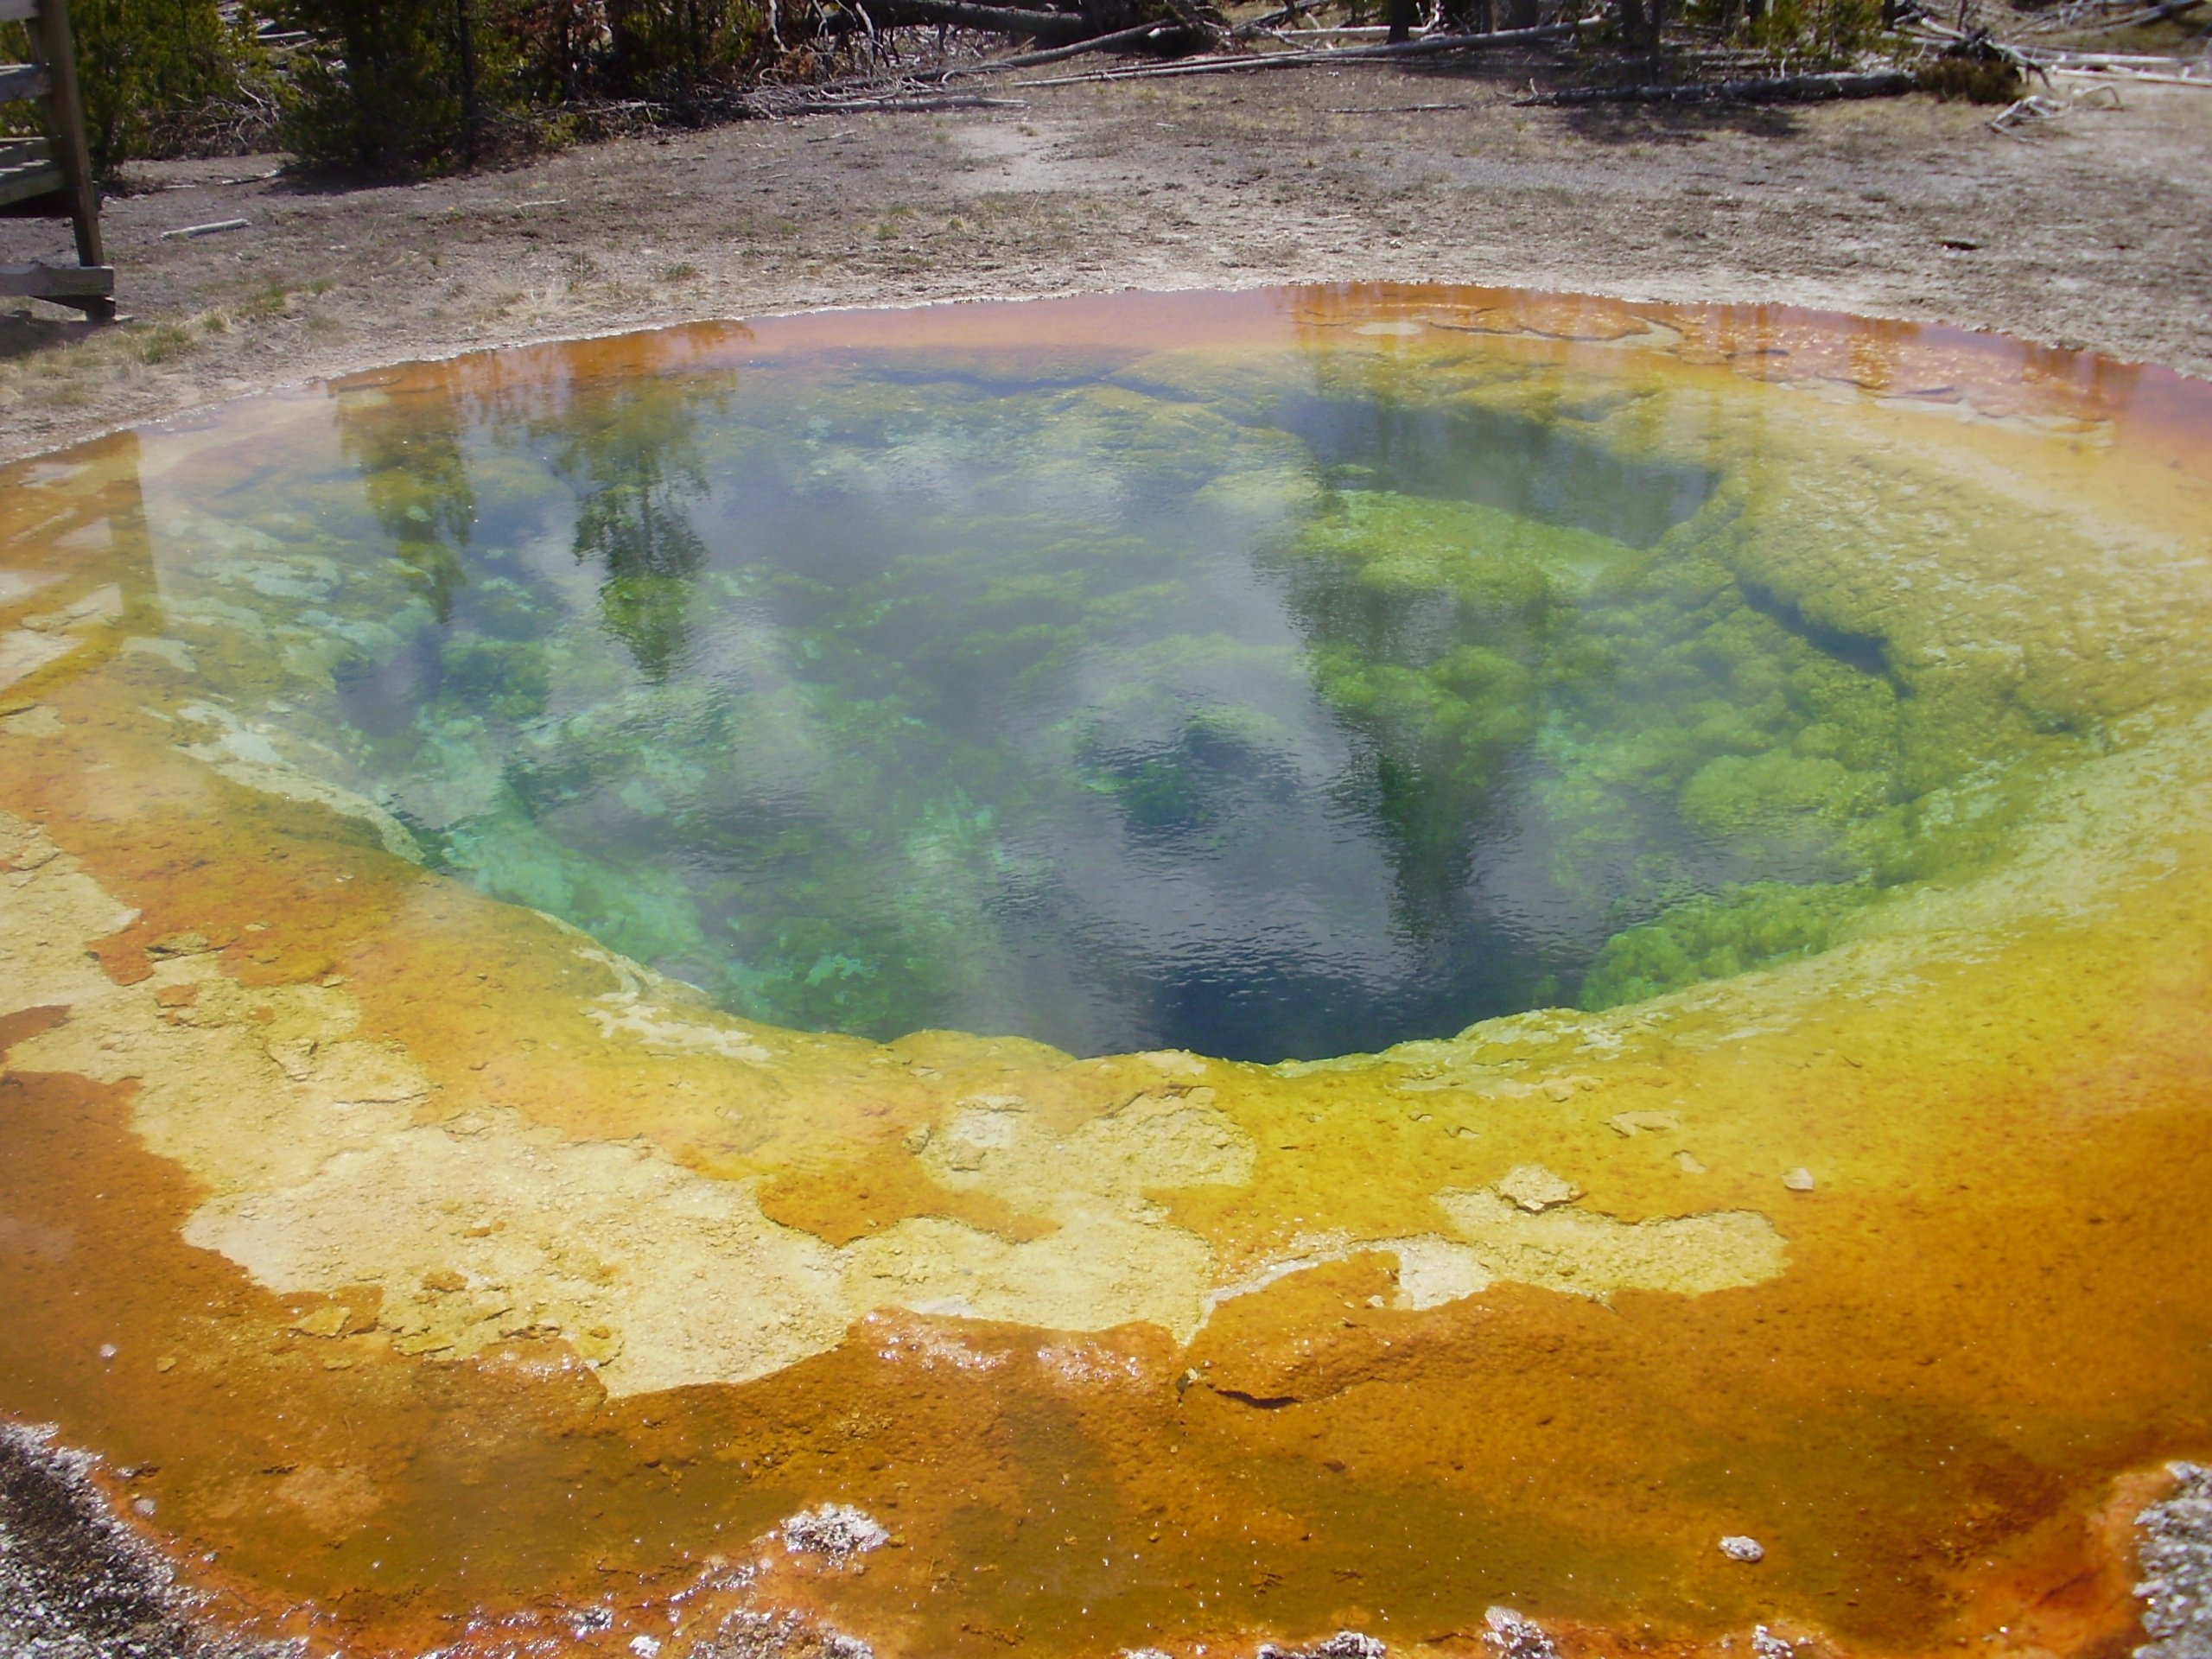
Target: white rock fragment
{"x": 2174, "y": 1548}
{"x": 837, "y": 1531}
{"x": 1515, "y": 1636}
{"x": 747, "y": 1634}
{"x": 645, "y": 1646}
{"x": 1344, "y": 1644}
{"x": 1534, "y": 1187}
{"x": 1175, "y": 1062}
{"x": 1736, "y": 1547}
{"x": 1765, "y": 1645}
{"x": 1798, "y": 1180}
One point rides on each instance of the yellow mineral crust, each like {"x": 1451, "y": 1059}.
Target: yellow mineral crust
{"x": 487, "y": 1226}
{"x": 1595, "y": 1256}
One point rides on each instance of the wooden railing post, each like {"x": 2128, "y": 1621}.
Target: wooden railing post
{"x": 52, "y": 44}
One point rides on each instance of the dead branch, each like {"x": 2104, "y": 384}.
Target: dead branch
{"x": 1766, "y": 89}
{"x": 1274, "y": 20}
{"x": 2030, "y": 112}
{"x": 1426, "y": 47}
{"x": 772, "y": 105}
{"x": 2119, "y": 77}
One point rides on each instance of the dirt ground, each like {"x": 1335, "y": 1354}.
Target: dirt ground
{"x": 2093, "y": 234}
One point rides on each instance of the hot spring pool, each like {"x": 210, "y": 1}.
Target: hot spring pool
{"x": 1228, "y": 966}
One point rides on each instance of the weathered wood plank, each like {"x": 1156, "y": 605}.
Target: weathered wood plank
{"x": 14, "y": 152}
{"x": 28, "y": 179}
{"x": 64, "y": 282}
{"x": 23, "y": 80}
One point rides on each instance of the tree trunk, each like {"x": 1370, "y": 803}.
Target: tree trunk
{"x": 1402, "y": 19}
{"x": 472, "y": 115}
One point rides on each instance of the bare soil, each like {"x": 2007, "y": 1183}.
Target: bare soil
{"x": 2090, "y": 234}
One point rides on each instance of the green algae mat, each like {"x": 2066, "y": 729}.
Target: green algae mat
{"x": 1151, "y": 974}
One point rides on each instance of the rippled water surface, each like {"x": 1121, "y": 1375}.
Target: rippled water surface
{"x": 1239, "y": 965}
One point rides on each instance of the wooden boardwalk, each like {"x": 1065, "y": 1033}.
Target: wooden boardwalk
{"x": 52, "y": 177}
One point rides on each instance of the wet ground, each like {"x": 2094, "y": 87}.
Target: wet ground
{"x": 75, "y": 1584}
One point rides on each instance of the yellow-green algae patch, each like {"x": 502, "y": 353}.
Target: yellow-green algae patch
{"x": 1158, "y": 1349}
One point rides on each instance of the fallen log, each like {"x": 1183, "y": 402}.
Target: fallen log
{"x": 1057, "y": 27}
{"x": 1428, "y": 46}
{"x": 1143, "y": 34}
{"x": 2153, "y": 15}
{"x": 1765, "y": 89}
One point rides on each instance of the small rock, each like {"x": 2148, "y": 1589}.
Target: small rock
{"x": 1767, "y": 1645}
{"x": 2174, "y": 1549}
{"x": 144, "y": 1506}
{"x": 1687, "y": 1163}
{"x": 1515, "y": 1636}
{"x": 107, "y": 1350}
{"x": 835, "y": 1531}
{"x": 1344, "y": 1644}
{"x": 166, "y": 1362}
{"x": 645, "y": 1646}
{"x": 599, "y": 1345}
{"x": 1798, "y": 1180}
{"x": 1534, "y": 1187}
{"x": 1632, "y": 1124}
{"x": 328, "y": 1320}
{"x": 1736, "y": 1547}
